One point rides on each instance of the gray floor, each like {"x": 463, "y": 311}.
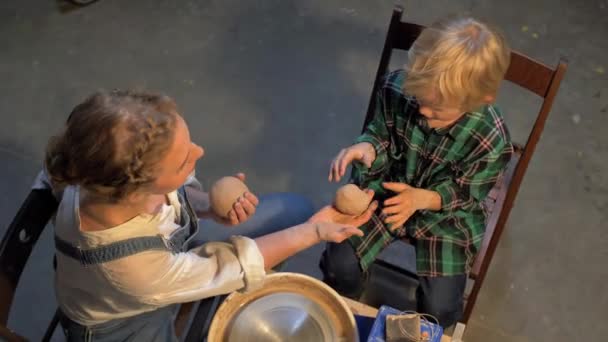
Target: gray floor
{"x": 275, "y": 88}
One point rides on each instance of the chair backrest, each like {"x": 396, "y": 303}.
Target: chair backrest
{"x": 527, "y": 73}
{"x": 19, "y": 241}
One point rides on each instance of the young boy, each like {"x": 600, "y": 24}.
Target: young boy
{"x": 434, "y": 149}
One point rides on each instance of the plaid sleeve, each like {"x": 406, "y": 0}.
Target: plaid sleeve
{"x": 476, "y": 180}
{"x": 377, "y": 134}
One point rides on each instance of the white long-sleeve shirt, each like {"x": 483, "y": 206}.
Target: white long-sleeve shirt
{"x": 148, "y": 280}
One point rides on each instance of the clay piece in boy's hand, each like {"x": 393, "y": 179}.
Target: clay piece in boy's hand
{"x": 351, "y": 200}
{"x": 224, "y": 193}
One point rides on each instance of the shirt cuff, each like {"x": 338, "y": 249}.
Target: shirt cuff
{"x": 251, "y": 261}
{"x": 380, "y": 148}
{"x": 449, "y": 196}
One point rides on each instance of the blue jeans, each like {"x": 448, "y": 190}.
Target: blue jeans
{"x": 438, "y": 296}
{"x": 275, "y": 212}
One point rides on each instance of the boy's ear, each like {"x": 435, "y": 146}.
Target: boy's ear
{"x": 489, "y": 99}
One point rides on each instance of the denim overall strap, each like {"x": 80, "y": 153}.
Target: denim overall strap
{"x": 113, "y": 251}
{"x": 189, "y": 222}
{"x": 177, "y": 242}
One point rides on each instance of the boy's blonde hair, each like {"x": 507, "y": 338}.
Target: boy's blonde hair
{"x": 458, "y": 61}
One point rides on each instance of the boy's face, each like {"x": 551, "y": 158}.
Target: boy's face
{"x": 443, "y": 114}
{"x": 438, "y": 115}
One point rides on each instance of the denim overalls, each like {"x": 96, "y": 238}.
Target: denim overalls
{"x": 155, "y": 325}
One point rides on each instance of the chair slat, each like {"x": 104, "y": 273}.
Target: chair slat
{"x": 529, "y": 74}
{"x": 501, "y": 189}
{"x": 406, "y": 35}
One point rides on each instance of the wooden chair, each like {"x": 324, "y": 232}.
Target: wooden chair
{"x": 15, "y": 249}
{"x": 534, "y": 76}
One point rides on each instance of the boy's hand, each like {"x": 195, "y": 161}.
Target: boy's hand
{"x": 399, "y": 208}
{"x": 242, "y": 209}
{"x": 363, "y": 152}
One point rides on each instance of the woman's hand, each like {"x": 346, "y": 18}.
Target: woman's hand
{"x": 326, "y": 225}
{"x": 242, "y": 209}
{"x": 332, "y": 225}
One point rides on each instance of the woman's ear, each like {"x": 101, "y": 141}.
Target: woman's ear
{"x": 135, "y": 197}
{"x": 489, "y": 99}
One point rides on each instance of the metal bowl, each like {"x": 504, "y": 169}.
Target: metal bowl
{"x": 288, "y": 307}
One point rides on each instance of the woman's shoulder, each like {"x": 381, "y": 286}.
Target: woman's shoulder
{"x": 92, "y": 226}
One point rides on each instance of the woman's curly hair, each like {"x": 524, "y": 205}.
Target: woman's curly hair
{"x": 113, "y": 142}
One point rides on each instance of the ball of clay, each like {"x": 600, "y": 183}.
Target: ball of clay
{"x": 224, "y": 193}
{"x": 351, "y": 200}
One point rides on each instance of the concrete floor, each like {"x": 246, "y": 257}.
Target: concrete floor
{"x": 274, "y": 88}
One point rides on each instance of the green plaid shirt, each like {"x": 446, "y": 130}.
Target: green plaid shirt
{"x": 461, "y": 162}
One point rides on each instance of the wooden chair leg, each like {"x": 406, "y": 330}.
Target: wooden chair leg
{"x": 458, "y": 333}
{"x": 470, "y": 300}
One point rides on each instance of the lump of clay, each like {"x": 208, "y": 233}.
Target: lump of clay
{"x": 351, "y": 200}
{"x": 224, "y": 193}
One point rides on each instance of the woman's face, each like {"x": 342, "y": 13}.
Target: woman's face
{"x": 179, "y": 162}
